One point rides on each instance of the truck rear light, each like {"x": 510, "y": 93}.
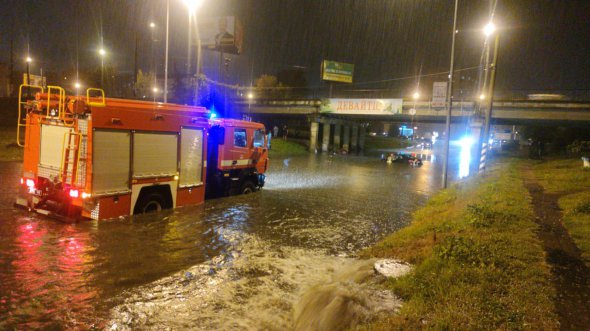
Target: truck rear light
{"x": 22, "y": 181}
{"x": 74, "y": 193}
{"x": 86, "y": 195}
{"x": 30, "y": 183}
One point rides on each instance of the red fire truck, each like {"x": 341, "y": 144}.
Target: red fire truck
{"x": 99, "y": 158}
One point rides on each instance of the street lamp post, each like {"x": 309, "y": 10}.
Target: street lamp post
{"x": 102, "y": 54}
{"x": 415, "y": 96}
{"x": 28, "y": 60}
{"x": 166, "y": 56}
{"x": 192, "y": 6}
{"x": 450, "y": 100}
{"x": 490, "y": 29}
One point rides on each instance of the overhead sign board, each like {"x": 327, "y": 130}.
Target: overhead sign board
{"x": 337, "y": 71}
{"x": 222, "y": 33}
{"x": 36, "y": 80}
{"x": 439, "y": 95}
{"x": 362, "y": 106}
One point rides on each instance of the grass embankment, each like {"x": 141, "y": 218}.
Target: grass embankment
{"x": 478, "y": 263}
{"x": 381, "y": 143}
{"x": 280, "y": 147}
{"x": 9, "y": 151}
{"x": 562, "y": 176}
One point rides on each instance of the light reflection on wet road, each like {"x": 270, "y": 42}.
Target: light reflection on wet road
{"x": 70, "y": 275}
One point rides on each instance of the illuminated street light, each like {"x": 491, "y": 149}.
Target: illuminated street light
{"x": 482, "y": 96}
{"x": 416, "y": 95}
{"x": 489, "y": 29}
{"x": 155, "y": 89}
{"x": 102, "y": 52}
{"x": 250, "y": 95}
{"x": 77, "y": 86}
{"x": 152, "y": 25}
{"x": 193, "y": 5}
{"x": 28, "y": 59}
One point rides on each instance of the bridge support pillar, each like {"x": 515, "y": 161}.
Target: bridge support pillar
{"x": 314, "y": 129}
{"x": 337, "y": 130}
{"x": 354, "y": 138}
{"x": 362, "y": 133}
{"x": 346, "y": 138}
{"x": 326, "y": 137}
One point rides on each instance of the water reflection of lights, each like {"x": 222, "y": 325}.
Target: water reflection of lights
{"x": 50, "y": 276}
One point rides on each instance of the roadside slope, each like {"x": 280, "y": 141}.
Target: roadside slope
{"x": 479, "y": 264}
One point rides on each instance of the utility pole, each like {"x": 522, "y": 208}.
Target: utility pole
{"x": 450, "y": 102}
{"x": 166, "y": 57}
{"x": 488, "y": 118}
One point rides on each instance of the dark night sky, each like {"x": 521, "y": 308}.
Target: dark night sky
{"x": 545, "y": 45}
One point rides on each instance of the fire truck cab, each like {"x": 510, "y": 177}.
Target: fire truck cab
{"x": 237, "y": 157}
{"x": 99, "y": 158}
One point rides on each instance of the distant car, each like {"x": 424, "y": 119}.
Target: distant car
{"x": 404, "y": 158}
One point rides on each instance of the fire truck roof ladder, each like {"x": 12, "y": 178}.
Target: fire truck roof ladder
{"x": 70, "y": 157}
{"x": 22, "y": 119}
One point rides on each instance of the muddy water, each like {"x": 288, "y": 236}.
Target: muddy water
{"x": 243, "y": 262}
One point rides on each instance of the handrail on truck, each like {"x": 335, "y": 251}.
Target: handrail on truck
{"x": 94, "y": 103}
{"x": 20, "y": 104}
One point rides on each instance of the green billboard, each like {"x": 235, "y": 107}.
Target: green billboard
{"x": 337, "y": 71}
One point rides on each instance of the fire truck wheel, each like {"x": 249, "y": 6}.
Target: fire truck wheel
{"x": 150, "y": 203}
{"x": 248, "y": 187}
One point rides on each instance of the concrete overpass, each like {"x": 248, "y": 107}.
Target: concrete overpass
{"x": 504, "y": 112}
{"x": 347, "y": 131}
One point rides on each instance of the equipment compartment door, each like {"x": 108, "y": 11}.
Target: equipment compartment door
{"x": 191, "y": 157}
{"x": 111, "y": 153}
{"x": 155, "y": 155}
{"x": 52, "y": 141}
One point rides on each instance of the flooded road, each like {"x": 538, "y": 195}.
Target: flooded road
{"x": 258, "y": 252}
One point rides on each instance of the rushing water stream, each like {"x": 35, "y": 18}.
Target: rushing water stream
{"x": 239, "y": 262}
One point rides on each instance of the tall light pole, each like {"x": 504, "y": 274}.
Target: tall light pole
{"x": 192, "y": 6}
{"x": 450, "y": 100}
{"x": 102, "y": 54}
{"x": 166, "y": 56}
{"x": 415, "y": 96}
{"x": 28, "y": 60}
{"x": 489, "y": 30}
{"x": 153, "y": 60}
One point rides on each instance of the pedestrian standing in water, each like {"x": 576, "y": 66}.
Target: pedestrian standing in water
{"x": 275, "y": 131}
{"x": 285, "y": 132}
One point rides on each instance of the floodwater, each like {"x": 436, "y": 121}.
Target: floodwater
{"x": 245, "y": 262}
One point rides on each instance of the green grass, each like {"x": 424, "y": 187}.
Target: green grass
{"x": 576, "y": 212}
{"x": 280, "y": 147}
{"x": 478, "y": 263}
{"x": 567, "y": 175}
{"x": 377, "y": 143}
{"x": 9, "y": 151}
{"x": 562, "y": 175}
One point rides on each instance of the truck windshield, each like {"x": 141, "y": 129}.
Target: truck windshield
{"x": 258, "y": 138}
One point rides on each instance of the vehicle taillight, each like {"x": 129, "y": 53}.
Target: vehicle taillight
{"x": 74, "y": 193}
{"x": 22, "y": 181}
{"x": 30, "y": 183}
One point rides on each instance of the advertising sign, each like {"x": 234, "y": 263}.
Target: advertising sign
{"x": 222, "y": 33}
{"x": 362, "y": 106}
{"x": 36, "y": 80}
{"x": 337, "y": 71}
{"x": 439, "y": 94}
